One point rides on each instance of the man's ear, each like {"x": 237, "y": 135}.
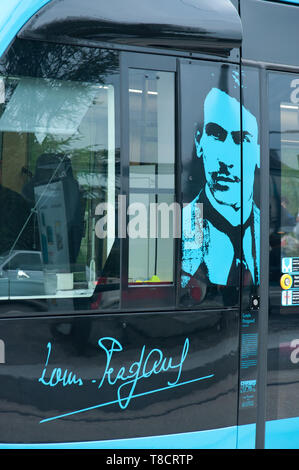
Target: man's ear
{"x": 197, "y": 139}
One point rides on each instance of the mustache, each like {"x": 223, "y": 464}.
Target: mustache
{"x": 219, "y": 177}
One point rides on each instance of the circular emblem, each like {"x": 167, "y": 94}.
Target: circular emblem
{"x": 286, "y": 281}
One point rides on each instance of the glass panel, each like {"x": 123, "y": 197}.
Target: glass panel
{"x": 284, "y": 173}
{"x": 151, "y": 252}
{"x": 213, "y": 251}
{"x": 60, "y": 177}
{"x": 284, "y": 249}
{"x": 152, "y": 158}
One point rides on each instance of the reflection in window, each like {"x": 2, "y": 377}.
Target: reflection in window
{"x": 151, "y": 210}
{"x": 283, "y": 325}
{"x": 284, "y": 179}
{"x": 59, "y": 160}
{"x": 289, "y": 212}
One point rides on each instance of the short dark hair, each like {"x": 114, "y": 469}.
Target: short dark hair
{"x": 241, "y": 86}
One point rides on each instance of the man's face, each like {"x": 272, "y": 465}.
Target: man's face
{"x": 220, "y": 147}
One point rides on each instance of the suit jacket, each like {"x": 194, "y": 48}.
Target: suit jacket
{"x": 212, "y": 247}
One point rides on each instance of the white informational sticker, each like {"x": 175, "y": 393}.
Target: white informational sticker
{"x": 290, "y": 265}
{"x": 286, "y": 265}
{"x": 286, "y": 298}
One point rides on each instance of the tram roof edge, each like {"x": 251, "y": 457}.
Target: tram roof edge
{"x": 188, "y": 25}
{"x": 13, "y": 15}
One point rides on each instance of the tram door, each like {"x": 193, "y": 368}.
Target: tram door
{"x": 220, "y": 151}
{"x": 283, "y": 331}
{"x": 176, "y": 133}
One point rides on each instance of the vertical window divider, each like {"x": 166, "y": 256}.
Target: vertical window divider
{"x": 178, "y": 184}
{"x": 124, "y": 173}
{"x": 264, "y": 263}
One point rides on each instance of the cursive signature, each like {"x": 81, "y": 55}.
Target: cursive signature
{"x": 148, "y": 364}
{"x": 124, "y": 378}
{"x": 58, "y": 376}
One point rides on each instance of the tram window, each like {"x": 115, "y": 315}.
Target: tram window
{"x": 284, "y": 182}
{"x": 289, "y": 213}
{"x": 283, "y": 326}
{"x": 59, "y": 174}
{"x": 152, "y": 194}
{"x": 214, "y": 250}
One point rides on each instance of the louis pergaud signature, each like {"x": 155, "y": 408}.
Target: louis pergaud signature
{"x": 141, "y": 369}
{"x": 125, "y": 378}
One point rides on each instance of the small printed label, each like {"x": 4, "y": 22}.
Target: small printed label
{"x": 286, "y": 281}
{"x": 289, "y": 281}
{"x": 290, "y": 297}
{"x": 248, "y": 393}
{"x": 290, "y": 265}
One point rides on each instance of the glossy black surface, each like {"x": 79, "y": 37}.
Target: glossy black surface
{"x": 28, "y": 395}
{"x": 176, "y": 24}
{"x": 211, "y": 348}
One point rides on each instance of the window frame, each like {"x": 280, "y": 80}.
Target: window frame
{"x": 140, "y": 296}
{"x": 39, "y": 303}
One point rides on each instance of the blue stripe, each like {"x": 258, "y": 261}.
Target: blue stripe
{"x": 13, "y": 15}
{"x": 246, "y": 436}
{"x": 295, "y": 2}
{"x": 223, "y": 438}
{"x": 282, "y": 434}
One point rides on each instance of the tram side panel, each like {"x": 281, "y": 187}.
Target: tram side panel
{"x": 120, "y": 377}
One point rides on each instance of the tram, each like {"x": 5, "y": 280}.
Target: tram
{"x": 149, "y": 248}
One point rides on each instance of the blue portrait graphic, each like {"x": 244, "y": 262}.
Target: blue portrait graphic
{"x": 211, "y": 222}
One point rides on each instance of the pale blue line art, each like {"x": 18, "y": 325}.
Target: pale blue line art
{"x": 125, "y": 398}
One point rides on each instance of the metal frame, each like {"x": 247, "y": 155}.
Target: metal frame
{"x": 264, "y": 263}
{"x": 153, "y": 62}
